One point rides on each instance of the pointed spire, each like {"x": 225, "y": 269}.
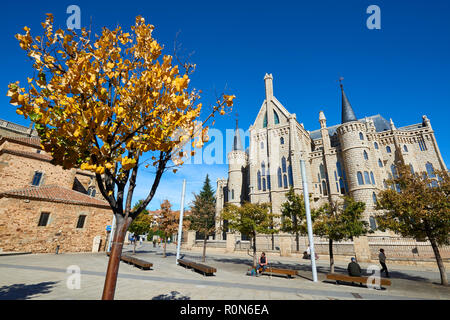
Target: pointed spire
{"x": 392, "y": 124}
{"x": 347, "y": 111}
{"x": 322, "y": 119}
{"x": 268, "y": 81}
{"x": 237, "y": 145}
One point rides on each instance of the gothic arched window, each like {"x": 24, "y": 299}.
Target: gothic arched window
{"x": 283, "y": 164}
{"x": 430, "y": 170}
{"x": 262, "y": 145}
{"x": 276, "y": 120}
{"x": 366, "y": 156}
{"x": 422, "y": 145}
{"x": 373, "y": 223}
{"x": 388, "y": 149}
{"x": 264, "y": 184}
{"x": 322, "y": 171}
{"x": 361, "y": 136}
{"x": 380, "y": 163}
{"x": 281, "y": 140}
{"x": 259, "y": 179}
{"x": 265, "y": 121}
{"x": 374, "y": 198}
{"x": 372, "y": 178}
{"x": 375, "y": 144}
{"x": 291, "y": 178}
{"x": 263, "y": 169}
{"x": 280, "y": 183}
{"x": 338, "y": 167}
{"x": 285, "y": 182}
{"x": 232, "y": 193}
{"x": 411, "y": 168}
{"x": 405, "y": 148}
{"x": 360, "y": 178}
{"x": 324, "y": 188}
{"x": 366, "y": 177}
{"x": 341, "y": 185}
{"x": 394, "y": 171}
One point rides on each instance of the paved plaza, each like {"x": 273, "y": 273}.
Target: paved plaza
{"x": 45, "y": 276}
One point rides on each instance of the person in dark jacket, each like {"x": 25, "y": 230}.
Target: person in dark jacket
{"x": 382, "y": 259}
{"x": 354, "y": 270}
{"x": 263, "y": 263}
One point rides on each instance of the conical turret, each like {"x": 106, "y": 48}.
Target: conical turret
{"x": 347, "y": 111}
{"x": 237, "y": 143}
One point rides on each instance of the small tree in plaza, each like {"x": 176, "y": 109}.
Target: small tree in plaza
{"x": 420, "y": 209}
{"x": 250, "y": 219}
{"x": 141, "y": 224}
{"x": 203, "y": 212}
{"x": 167, "y": 222}
{"x": 294, "y": 215}
{"x": 338, "y": 221}
{"x": 100, "y": 104}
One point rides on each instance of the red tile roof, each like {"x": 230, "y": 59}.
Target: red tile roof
{"x": 29, "y": 141}
{"x": 33, "y": 155}
{"x": 55, "y": 193}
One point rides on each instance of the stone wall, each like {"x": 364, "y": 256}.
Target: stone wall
{"x": 19, "y": 230}
{"x": 17, "y": 172}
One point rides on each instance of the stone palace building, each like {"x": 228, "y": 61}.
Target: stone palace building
{"x": 352, "y": 158}
{"x": 43, "y": 206}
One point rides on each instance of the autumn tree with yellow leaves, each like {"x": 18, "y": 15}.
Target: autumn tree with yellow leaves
{"x": 105, "y": 103}
{"x": 167, "y": 222}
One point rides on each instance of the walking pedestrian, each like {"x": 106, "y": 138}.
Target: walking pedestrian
{"x": 382, "y": 259}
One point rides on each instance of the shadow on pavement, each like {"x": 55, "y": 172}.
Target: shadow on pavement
{"x": 24, "y": 291}
{"x": 173, "y": 295}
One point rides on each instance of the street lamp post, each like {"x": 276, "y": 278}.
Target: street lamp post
{"x": 111, "y": 234}
{"x": 308, "y": 220}
{"x": 180, "y": 226}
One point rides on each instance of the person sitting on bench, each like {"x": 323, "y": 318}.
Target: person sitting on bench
{"x": 263, "y": 263}
{"x": 354, "y": 270}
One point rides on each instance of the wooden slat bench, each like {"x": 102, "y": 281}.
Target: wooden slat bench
{"x": 290, "y": 273}
{"x": 126, "y": 259}
{"x": 142, "y": 264}
{"x": 206, "y": 270}
{"x": 361, "y": 280}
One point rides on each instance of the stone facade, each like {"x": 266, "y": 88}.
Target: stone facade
{"x": 19, "y": 230}
{"x": 31, "y": 186}
{"x": 352, "y": 158}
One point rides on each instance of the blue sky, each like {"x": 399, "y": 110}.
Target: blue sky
{"x": 401, "y": 71}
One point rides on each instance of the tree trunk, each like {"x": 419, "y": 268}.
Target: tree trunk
{"x": 165, "y": 242}
{"x": 114, "y": 258}
{"x": 134, "y": 246}
{"x": 440, "y": 264}
{"x": 297, "y": 241}
{"x": 204, "y": 248}
{"x": 330, "y": 249}
{"x": 254, "y": 250}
